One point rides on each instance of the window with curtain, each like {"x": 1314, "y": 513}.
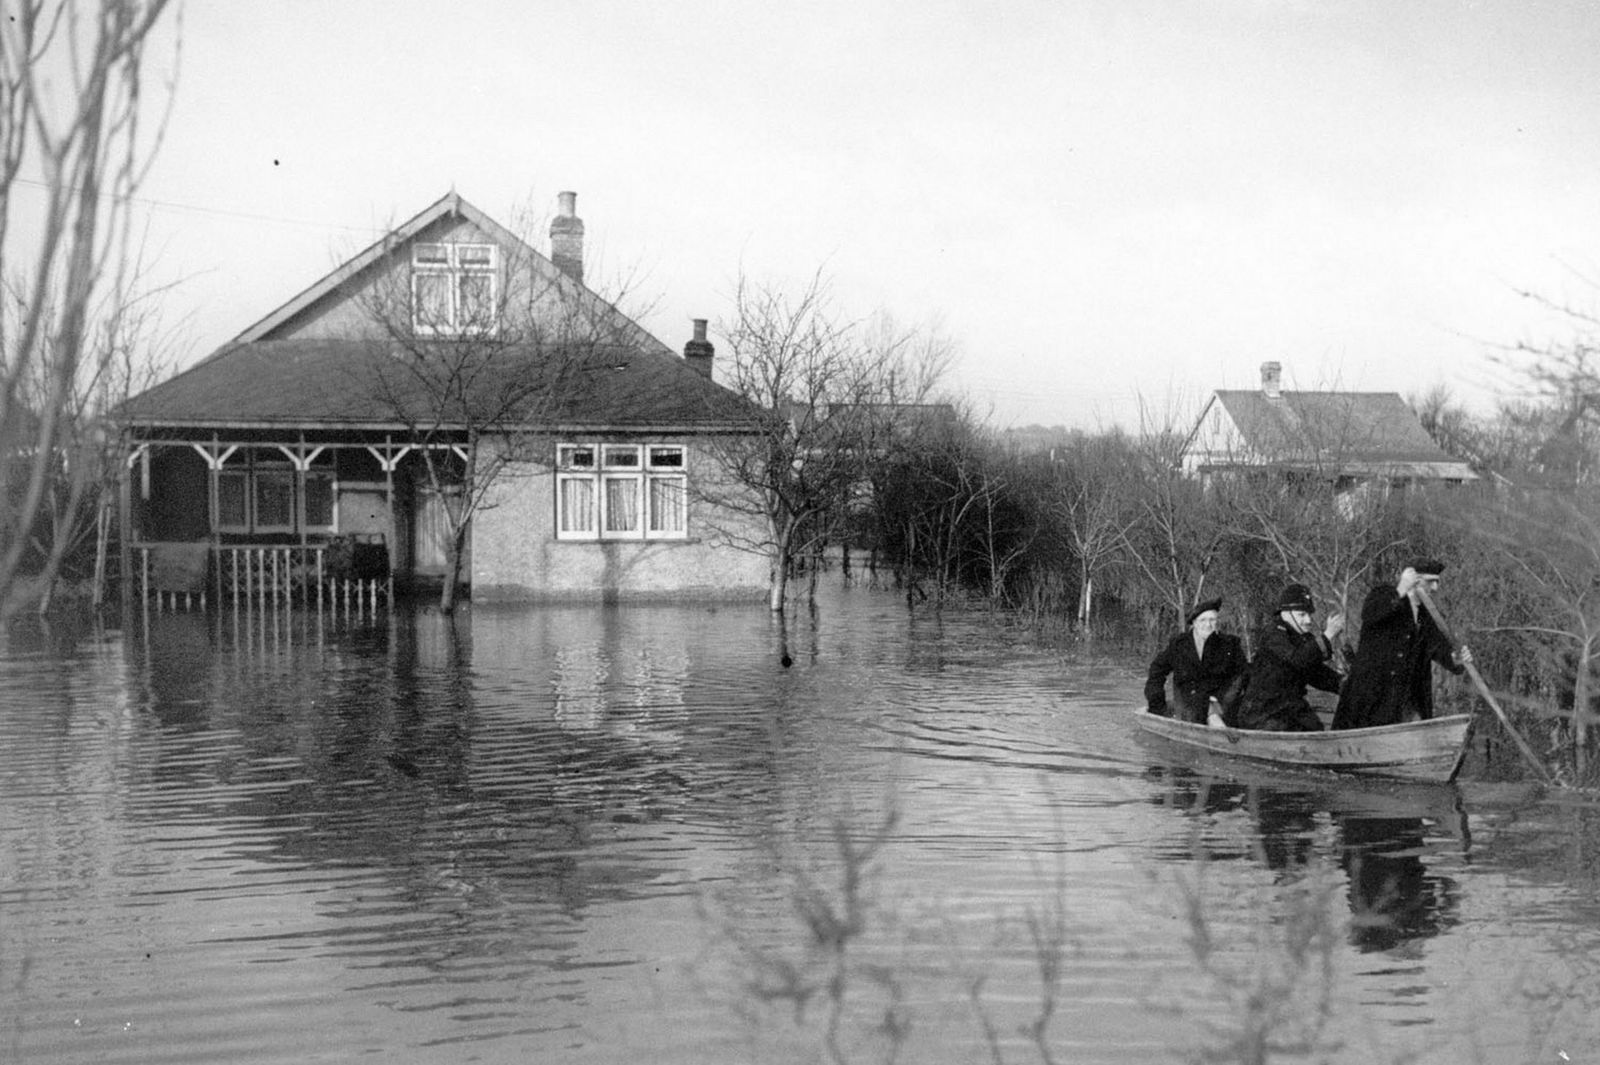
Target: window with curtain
{"x": 621, "y": 492}
{"x": 453, "y": 288}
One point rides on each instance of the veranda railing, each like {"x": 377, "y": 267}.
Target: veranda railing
{"x": 266, "y": 576}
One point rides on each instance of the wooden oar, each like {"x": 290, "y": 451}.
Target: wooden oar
{"x": 1483, "y": 689}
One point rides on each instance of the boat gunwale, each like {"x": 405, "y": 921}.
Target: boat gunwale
{"x": 1296, "y": 751}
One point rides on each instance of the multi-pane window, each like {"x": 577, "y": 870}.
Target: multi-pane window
{"x": 274, "y": 498}
{"x": 621, "y": 492}
{"x": 262, "y": 492}
{"x": 233, "y": 500}
{"x": 453, "y": 288}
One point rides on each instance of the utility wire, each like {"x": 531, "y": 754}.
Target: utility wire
{"x": 217, "y": 212}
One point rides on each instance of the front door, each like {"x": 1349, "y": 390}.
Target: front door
{"x": 433, "y": 534}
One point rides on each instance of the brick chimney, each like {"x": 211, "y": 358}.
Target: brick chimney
{"x": 699, "y": 351}
{"x": 566, "y": 237}
{"x": 1271, "y": 376}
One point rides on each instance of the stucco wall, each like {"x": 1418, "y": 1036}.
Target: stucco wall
{"x": 516, "y": 556}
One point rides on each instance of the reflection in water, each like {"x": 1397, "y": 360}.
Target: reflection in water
{"x": 277, "y": 838}
{"x": 1283, "y": 823}
{"x": 1393, "y": 897}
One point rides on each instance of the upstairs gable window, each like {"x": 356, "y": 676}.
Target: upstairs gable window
{"x": 453, "y": 288}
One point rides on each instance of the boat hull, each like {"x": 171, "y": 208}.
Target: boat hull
{"x": 1427, "y": 751}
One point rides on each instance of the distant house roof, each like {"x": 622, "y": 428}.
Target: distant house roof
{"x": 1348, "y": 434}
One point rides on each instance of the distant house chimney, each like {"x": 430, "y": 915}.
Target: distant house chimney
{"x": 698, "y": 352}
{"x": 566, "y": 237}
{"x": 1271, "y": 374}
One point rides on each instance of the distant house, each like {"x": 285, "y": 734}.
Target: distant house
{"x": 1348, "y": 439}
{"x": 307, "y": 434}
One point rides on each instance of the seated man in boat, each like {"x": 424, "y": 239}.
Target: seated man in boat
{"x": 1206, "y": 667}
{"x": 1290, "y": 656}
{"x": 1391, "y": 678}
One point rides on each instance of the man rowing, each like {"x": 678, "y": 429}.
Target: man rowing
{"x": 1391, "y": 679}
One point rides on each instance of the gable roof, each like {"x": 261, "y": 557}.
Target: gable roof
{"x": 451, "y": 204}
{"x": 270, "y": 377}
{"x": 1353, "y": 433}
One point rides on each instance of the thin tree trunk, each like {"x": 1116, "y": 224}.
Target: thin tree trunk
{"x": 1580, "y": 716}
{"x": 452, "y": 568}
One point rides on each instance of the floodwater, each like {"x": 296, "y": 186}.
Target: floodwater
{"x": 599, "y": 835}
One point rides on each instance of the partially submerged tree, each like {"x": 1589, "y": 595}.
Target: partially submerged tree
{"x": 1549, "y": 602}
{"x": 1091, "y": 508}
{"x": 71, "y": 534}
{"x": 942, "y": 509}
{"x": 827, "y": 392}
{"x": 74, "y": 133}
{"x": 1174, "y": 543}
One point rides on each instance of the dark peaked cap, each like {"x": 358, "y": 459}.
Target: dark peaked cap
{"x": 1296, "y": 597}
{"x": 1427, "y": 567}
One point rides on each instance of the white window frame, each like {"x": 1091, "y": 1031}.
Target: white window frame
{"x": 661, "y": 471}
{"x": 588, "y": 530}
{"x": 634, "y": 470}
{"x": 621, "y": 467}
{"x": 453, "y": 263}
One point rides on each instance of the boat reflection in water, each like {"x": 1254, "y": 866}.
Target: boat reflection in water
{"x": 1383, "y": 837}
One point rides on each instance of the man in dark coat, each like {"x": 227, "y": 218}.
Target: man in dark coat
{"x": 1290, "y": 656}
{"x": 1206, "y": 666}
{"x": 1391, "y": 678}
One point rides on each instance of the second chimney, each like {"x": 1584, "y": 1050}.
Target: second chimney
{"x": 1271, "y": 375}
{"x": 566, "y": 237}
{"x": 699, "y": 351}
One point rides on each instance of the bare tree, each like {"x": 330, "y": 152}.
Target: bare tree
{"x": 72, "y": 97}
{"x": 476, "y": 357}
{"x": 1090, "y": 508}
{"x": 825, "y": 390}
{"x": 1174, "y": 544}
{"x": 131, "y": 355}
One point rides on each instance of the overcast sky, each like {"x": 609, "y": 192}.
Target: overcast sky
{"x": 1099, "y": 200}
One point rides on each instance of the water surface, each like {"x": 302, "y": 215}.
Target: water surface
{"x": 625, "y": 834}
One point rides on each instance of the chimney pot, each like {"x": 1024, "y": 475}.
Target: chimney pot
{"x": 566, "y": 236}
{"x": 1271, "y": 377}
{"x": 699, "y": 351}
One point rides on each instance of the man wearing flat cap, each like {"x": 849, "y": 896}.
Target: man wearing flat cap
{"x": 1391, "y": 679}
{"x": 1291, "y": 656}
{"x": 1206, "y": 666}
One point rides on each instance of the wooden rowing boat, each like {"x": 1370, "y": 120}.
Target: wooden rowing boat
{"x": 1429, "y": 751}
